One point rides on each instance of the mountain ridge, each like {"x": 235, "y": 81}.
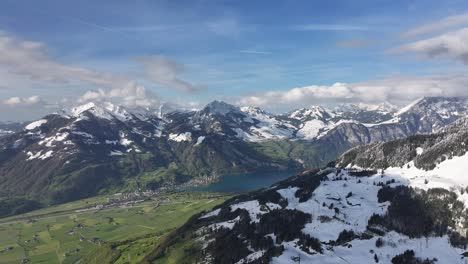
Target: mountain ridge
{"x": 103, "y": 147}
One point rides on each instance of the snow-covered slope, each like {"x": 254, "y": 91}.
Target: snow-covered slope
{"x": 105, "y": 110}
{"x": 381, "y": 207}
{"x": 332, "y": 216}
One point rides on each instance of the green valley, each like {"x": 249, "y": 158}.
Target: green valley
{"x": 91, "y": 231}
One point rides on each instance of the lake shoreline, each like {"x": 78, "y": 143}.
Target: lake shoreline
{"x": 244, "y": 182}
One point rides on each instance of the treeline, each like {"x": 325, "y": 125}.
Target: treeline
{"x": 418, "y": 213}
{"x": 17, "y": 205}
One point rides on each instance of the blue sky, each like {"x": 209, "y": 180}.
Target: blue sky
{"x": 192, "y": 52}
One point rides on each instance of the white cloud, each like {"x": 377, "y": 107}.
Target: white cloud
{"x": 397, "y": 89}
{"x": 22, "y": 101}
{"x": 443, "y": 24}
{"x": 166, "y": 72}
{"x": 26, "y": 108}
{"x": 453, "y": 45}
{"x": 31, "y": 60}
{"x": 131, "y": 94}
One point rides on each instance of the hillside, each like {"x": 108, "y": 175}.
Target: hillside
{"x": 413, "y": 211}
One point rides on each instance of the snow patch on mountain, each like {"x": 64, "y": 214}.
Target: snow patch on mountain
{"x": 355, "y": 199}
{"x": 4, "y": 132}
{"x": 105, "y": 110}
{"x": 210, "y": 214}
{"x": 358, "y": 250}
{"x": 227, "y": 224}
{"x": 419, "y": 151}
{"x": 449, "y": 174}
{"x": 49, "y": 141}
{"x": 46, "y": 155}
{"x": 32, "y": 155}
{"x": 77, "y": 111}
{"x": 35, "y": 124}
{"x": 124, "y": 141}
{"x": 266, "y": 127}
{"x": 187, "y": 136}
{"x": 116, "y": 153}
{"x": 200, "y": 140}
{"x": 310, "y": 129}
{"x": 255, "y": 209}
{"x": 408, "y": 107}
{"x": 81, "y": 133}
{"x": 252, "y": 257}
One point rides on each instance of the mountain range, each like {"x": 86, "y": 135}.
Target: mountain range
{"x": 402, "y": 201}
{"x": 102, "y": 147}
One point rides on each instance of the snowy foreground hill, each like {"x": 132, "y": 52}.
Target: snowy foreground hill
{"x": 398, "y": 202}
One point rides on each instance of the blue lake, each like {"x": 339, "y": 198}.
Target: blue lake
{"x": 245, "y": 181}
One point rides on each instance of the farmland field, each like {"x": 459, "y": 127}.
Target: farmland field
{"x": 64, "y": 234}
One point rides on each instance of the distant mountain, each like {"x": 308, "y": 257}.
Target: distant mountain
{"x": 424, "y": 152}
{"x": 97, "y": 147}
{"x": 10, "y": 128}
{"x": 403, "y": 201}
{"x": 219, "y": 118}
{"x": 366, "y": 113}
{"x": 102, "y": 147}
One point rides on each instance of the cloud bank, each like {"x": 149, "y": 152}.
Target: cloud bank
{"x": 22, "y": 101}
{"x": 397, "y": 89}
{"x": 131, "y": 95}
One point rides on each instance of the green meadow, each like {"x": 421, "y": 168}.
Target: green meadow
{"x": 63, "y": 234}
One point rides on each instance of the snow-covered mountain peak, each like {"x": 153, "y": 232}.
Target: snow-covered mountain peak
{"x": 78, "y": 110}
{"x": 252, "y": 110}
{"x": 220, "y": 107}
{"x": 312, "y": 112}
{"x": 408, "y": 107}
{"x": 105, "y": 110}
{"x": 382, "y": 108}
{"x": 446, "y": 107}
